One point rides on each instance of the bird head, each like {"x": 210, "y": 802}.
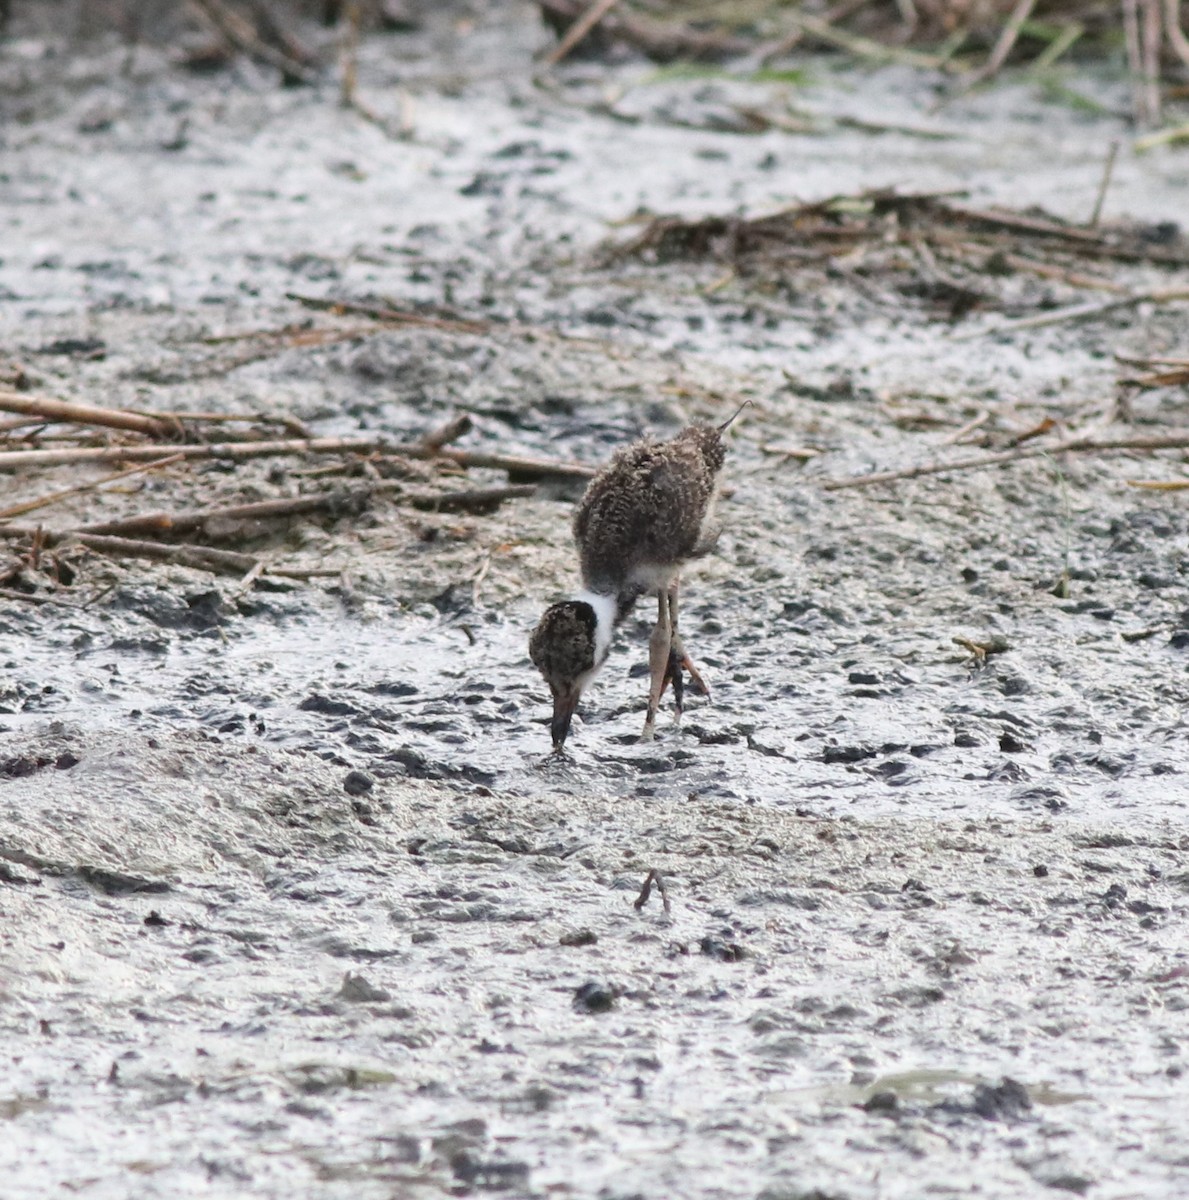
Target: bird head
{"x": 568, "y": 647}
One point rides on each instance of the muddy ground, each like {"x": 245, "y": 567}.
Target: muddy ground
{"x": 293, "y": 900}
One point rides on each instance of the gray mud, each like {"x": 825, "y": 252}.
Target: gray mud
{"x": 295, "y": 902}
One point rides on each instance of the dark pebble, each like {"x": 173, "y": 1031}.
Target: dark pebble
{"x": 882, "y": 1102}
{"x": 578, "y": 937}
{"x": 714, "y": 947}
{"x": 595, "y": 997}
{"x": 358, "y": 783}
{"x": 324, "y": 704}
{"x": 489, "y": 1176}
{"x": 1009, "y": 1101}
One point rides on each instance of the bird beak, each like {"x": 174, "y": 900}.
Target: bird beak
{"x": 564, "y": 704}
{"x": 731, "y": 419}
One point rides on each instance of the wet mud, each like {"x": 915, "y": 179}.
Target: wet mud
{"x": 295, "y": 900}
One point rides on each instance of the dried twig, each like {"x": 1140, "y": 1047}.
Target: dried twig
{"x": 350, "y": 54}
{"x": 451, "y": 431}
{"x": 963, "y": 431}
{"x": 1173, "y": 377}
{"x": 15, "y": 510}
{"x": 33, "y": 597}
{"x": 335, "y": 504}
{"x": 240, "y": 34}
{"x": 64, "y": 411}
{"x": 1077, "y": 312}
{"x": 1076, "y": 279}
{"x": 1178, "y": 440}
{"x": 1108, "y": 170}
{"x": 512, "y": 463}
{"x": 661, "y": 41}
{"x": 653, "y": 876}
{"x": 1162, "y": 137}
{"x": 1152, "y": 32}
{"x": 472, "y": 500}
{"x": 790, "y": 41}
{"x": 204, "y": 558}
{"x": 1003, "y": 45}
{"x": 581, "y": 27}
{"x": 478, "y": 577}
{"x": 821, "y": 30}
{"x": 394, "y": 316}
{"x": 16, "y": 459}
{"x": 231, "y": 520}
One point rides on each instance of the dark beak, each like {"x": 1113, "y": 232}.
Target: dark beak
{"x": 564, "y": 704}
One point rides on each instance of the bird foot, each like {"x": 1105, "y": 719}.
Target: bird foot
{"x": 648, "y": 733}
{"x": 695, "y": 677}
{"x": 678, "y": 662}
{"x": 673, "y": 675}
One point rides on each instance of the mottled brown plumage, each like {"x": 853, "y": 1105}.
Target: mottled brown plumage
{"x": 642, "y": 517}
{"x": 648, "y": 511}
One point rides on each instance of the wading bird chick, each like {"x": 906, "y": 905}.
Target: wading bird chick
{"x": 643, "y": 516}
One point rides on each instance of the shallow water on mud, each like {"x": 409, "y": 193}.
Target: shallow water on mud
{"x": 801, "y": 721}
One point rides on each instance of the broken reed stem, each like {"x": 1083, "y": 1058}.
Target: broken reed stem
{"x": 46, "y": 408}
{"x": 471, "y": 500}
{"x": 1076, "y": 312}
{"x": 580, "y": 28}
{"x": 1147, "y": 360}
{"x": 1008, "y": 37}
{"x": 15, "y": 510}
{"x": 1131, "y": 43}
{"x": 1172, "y": 28}
{"x": 394, "y": 315}
{"x": 350, "y": 54}
{"x": 451, "y": 431}
{"x": 1152, "y": 39}
{"x": 1171, "y": 441}
{"x": 1108, "y": 170}
{"x": 790, "y": 41}
{"x": 1174, "y": 377}
{"x": 12, "y": 459}
{"x": 512, "y": 463}
{"x": 204, "y": 558}
{"x": 239, "y": 34}
{"x": 345, "y": 502}
{"x": 336, "y": 503}
{"x": 1045, "y": 270}
{"x": 821, "y": 30}
{"x": 33, "y": 597}
{"x": 660, "y": 40}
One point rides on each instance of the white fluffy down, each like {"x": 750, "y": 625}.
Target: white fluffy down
{"x": 604, "y": 610}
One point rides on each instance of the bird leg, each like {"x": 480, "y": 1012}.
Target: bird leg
{"x": 678, "y": 659}
{"x": 659, "y": 648}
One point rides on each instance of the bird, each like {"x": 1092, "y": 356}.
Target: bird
{"x": 643, "y": 516}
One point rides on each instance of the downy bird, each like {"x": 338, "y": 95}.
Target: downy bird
{"x": 642, "y": 518}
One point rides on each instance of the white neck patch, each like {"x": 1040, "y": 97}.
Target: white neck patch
{"x": 605, "y": 608}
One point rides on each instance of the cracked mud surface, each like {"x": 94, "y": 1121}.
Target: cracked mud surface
{"x": 294, "y": 901}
